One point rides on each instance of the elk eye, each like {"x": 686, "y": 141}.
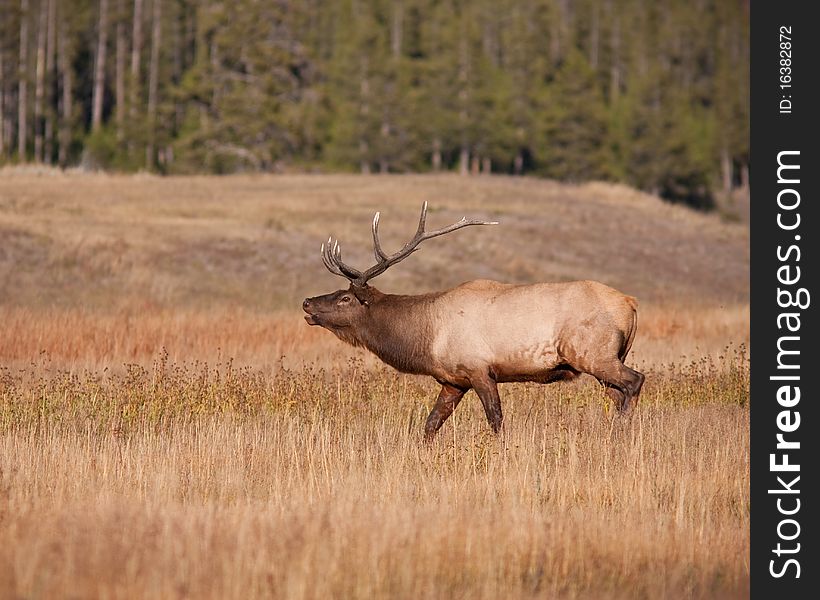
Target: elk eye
{"x": 345, "y": 299}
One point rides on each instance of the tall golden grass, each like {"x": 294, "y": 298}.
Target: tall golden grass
{"x": 216, "y": 482}
{"x": 171, "y": 428}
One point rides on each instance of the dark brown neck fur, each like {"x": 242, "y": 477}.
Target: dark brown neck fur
{"x": 397, "y": 329}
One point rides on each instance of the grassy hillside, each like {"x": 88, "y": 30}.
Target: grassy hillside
{"x": 98, "y": 241}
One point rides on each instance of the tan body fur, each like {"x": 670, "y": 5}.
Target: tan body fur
{"x": 525, "y": 332}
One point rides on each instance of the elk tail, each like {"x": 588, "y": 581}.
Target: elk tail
{"x": 630, "y": 336}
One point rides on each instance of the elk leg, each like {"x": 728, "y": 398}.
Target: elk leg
{"x": 624, "y": 384}
{"x": 487, "y": 391}
{"x": 448, "y": 399}
{"x": 616, "y": 395}
{"x": 634, "y": 386}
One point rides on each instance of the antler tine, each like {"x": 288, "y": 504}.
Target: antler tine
{"x": 422, "y": 219}
{"x": 332, "y": 257}
{"x": 377, "y": 247}
{"x": 327, "y": 261}
{"x": 463, "y": 222}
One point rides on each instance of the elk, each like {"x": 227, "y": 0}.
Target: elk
{"x": 482, "y": 333}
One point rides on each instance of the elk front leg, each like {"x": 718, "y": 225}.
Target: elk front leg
{"x": 448, "y": 399}
{"x": 487, "y": 390}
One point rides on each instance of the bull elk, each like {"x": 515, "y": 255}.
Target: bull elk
{"x": 482, "y": 333}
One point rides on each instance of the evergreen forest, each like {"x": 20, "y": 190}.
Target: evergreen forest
{"x": 652, "y": 93}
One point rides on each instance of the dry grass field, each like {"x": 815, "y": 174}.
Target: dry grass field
{"x": 171, "y": 428}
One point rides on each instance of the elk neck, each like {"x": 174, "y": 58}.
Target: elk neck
{"x": 399, "y": 330}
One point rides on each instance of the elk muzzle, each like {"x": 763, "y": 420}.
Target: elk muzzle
{"x": 308, "y": 307}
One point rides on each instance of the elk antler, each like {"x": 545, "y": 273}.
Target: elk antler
{"x": 332, "y": 252}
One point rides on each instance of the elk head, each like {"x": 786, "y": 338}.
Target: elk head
{"x": 344, "y": 308}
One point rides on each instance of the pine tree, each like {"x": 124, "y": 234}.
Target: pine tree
{"x": 653, "y": 94}
{"x": 352, "y": 82}
{"x": 435, "y": 112}
{"x": 251, "y": 70}
{"x": 575, "y": 144}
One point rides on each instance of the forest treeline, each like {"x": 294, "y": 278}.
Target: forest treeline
{"x": 652, "y": 93}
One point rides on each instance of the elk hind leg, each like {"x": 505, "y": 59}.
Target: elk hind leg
{"x": 617, "y": 396}
{"x": 448, "y": 399}
{"x": 487, "y": 390}
{"x": 623, "y": 384}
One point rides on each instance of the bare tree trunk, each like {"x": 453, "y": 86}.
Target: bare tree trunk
{"x": 486, "y": 165}
{"x": 464, "y": 161}
{"x": 364, "y": 112}
{"x": 490, "y": 42}
{"x": 436, "y": 160}
{"x": 5, "y": 95}
{"x": 50, "y": 81}
{"x": 384, "y": 164}
{"x": 2, "y": 103}
{"x": 615, "y": 70}
{"x": 153, "y": 83}
{"x": 560, "y": 26}
{"x": 214, "y": 54}
{"x": 521, "y": 140}
{"x": 6, "y": 34}
{"x": 22, "y": 94}
{"x": 463, "y": 97}
{"x": 744, "y": 176}
{"x": 8, "y": 128}
{"x": 179, "y": 39}
{"x": 120, "y": 69}
{"x": 364, "y": 164}
{"x": 64, "y": 61}
{"x": 396, "y": 33}
{"x": 594, "y": 37}
{"x": 726, "y": 170}
{"x": 99, "y": 69}
{"x": 181, "y": 30}
{"x": 391, "y": 83}
{"x": 518, "y": 163}
{"x": 40, "y": 81}
{"x": 136, "y": 54}
{"x": 475, "y": 165}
